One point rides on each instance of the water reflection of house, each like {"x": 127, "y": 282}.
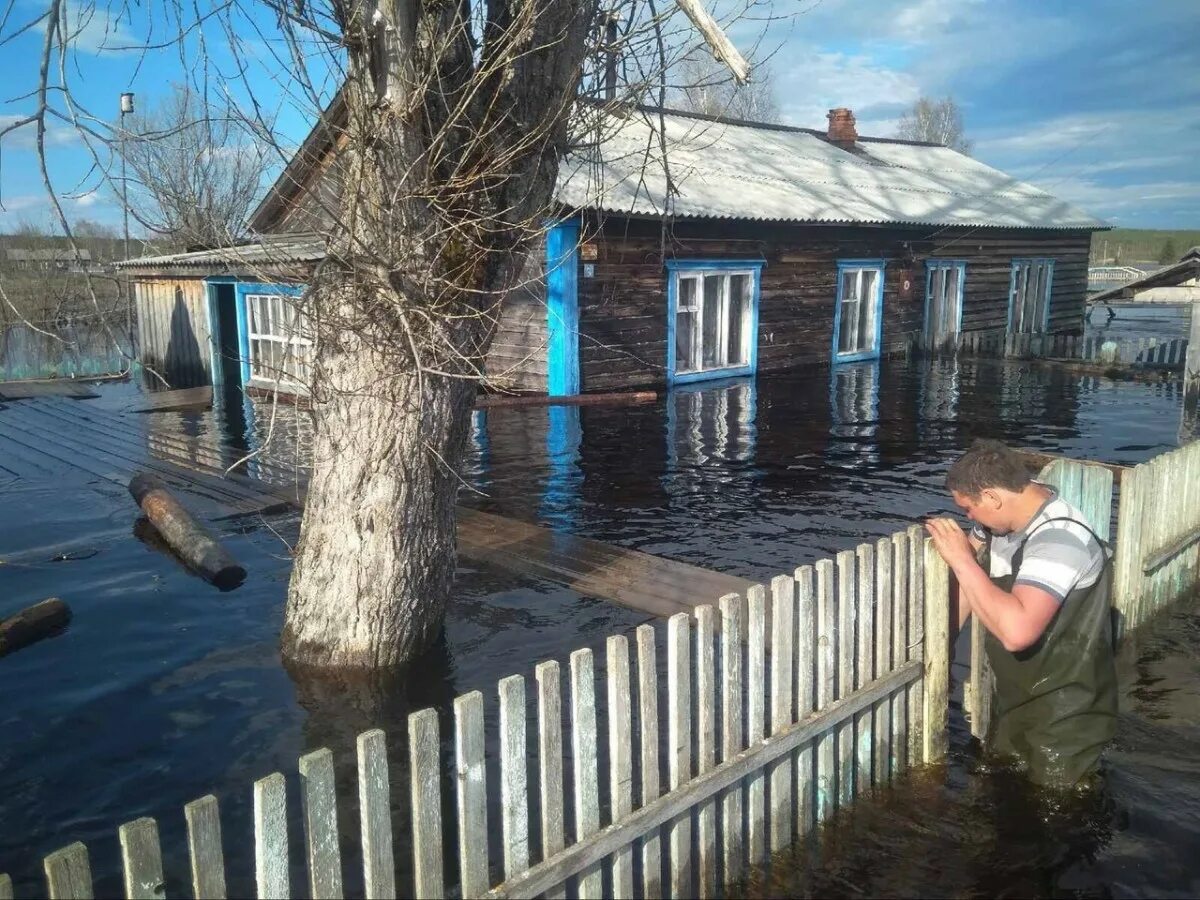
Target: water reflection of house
{"x": 767, "y": 248}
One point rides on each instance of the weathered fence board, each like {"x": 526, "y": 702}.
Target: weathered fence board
{"x": 845, "y": 672}
{"x": 651, "y": 769}
{"x": 375, "y": 810}
{"x": 783, "y": 603}
{"x": 271, "y": 838}
{"x": 424, "y": 750}
{"x": 319, "y": 801}
{"x": 472, "y": 794}
{"x": 584, "y": 749}
{"x": 204, "y": 848}
{"x": 733, "y": 846}
{"x": 514, "y": 798}
{"x": 69, "y": 873}
{"x": 806, "y": 678}
{"x": 884, "y": 602}
{"x": 826, "y": 688}
{"x": 679, "y": 744}
{"x": 756, "y": 721}
{"x": 141, "y": 860}
{"x": 865, "y": 663}
{"x": 550, "y": 761}
{"x": 706, "y": 748}
{"x": 620, "y": 757}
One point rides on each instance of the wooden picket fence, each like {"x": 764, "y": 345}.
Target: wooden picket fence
{"x": 781, "y": 707}
{"x": 1156, "y": 558}
{"x": 1147, "y": 353}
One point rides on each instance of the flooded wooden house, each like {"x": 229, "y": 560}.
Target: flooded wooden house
{"x": 685, "y": 248}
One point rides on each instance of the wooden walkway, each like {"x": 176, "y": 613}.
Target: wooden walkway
{"x": 74, "y": 443}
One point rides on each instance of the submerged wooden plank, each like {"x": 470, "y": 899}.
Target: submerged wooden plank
{"x": 204, "y": 848}
{"x": 171, "y": 401}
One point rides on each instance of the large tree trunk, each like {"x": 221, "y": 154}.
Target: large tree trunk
{"x": 376, "y": 556}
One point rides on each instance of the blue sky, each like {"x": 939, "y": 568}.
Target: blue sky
{"x": 1097, "y": 101}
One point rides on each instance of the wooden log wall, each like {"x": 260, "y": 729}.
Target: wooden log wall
{"x": 516, "y": 359}
{"x": 173, "y": 331}
{"x": 623, "y": 318}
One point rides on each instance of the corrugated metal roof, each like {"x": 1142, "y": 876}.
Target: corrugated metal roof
{"x": 738, "y": 171}
{"x": 275, "y": 250}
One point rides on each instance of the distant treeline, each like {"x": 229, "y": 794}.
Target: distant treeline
{"x": 1141, "y": 245}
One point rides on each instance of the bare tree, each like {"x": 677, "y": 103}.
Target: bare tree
{"x": 702, "y": 84}
{"x": 196, "y": 170}
{"x": 452, "y": 119}
{"x": 937, "y": 121}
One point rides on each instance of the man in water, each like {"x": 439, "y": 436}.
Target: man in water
{"x": 1042, "y": 593}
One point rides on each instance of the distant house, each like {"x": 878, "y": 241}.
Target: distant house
{"x": 785, "y": 247}
{"x": 58, "y": 260}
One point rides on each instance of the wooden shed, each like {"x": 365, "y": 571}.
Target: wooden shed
{"x": 691, "y": 248}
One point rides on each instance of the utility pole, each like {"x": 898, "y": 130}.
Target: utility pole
{"x": 126, "y": 108}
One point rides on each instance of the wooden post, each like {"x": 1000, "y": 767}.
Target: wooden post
{"x": 186, "y": 536}
{"x": 42, "y": 620}
{"x": 1191, "y": 364}
{"x": 937, "y": 655}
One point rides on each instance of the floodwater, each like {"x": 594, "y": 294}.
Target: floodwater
{"x": 163, "y": 689}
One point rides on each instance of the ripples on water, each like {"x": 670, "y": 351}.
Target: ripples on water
{"x": 163, "y": 689}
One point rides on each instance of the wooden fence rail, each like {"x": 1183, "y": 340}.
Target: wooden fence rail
{"x": 765, "y": 738}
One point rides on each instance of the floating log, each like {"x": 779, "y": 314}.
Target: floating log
{"x": 496, "y": 401}
{"x": 183, "y": 534}
{"x": 30, "y": 625}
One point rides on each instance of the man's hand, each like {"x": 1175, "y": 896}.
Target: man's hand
{"x": 950, "y": 541}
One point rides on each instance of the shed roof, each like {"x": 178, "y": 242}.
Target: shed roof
{"x": 274, "y": 250}
{"x": 1185, "y": 270}
{"x": 733, "y": 170}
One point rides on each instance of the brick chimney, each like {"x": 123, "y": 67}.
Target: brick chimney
{"x": 841, "y": 127}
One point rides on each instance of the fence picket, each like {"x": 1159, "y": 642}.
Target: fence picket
{"x": 806, "y": 638}
{"x": 375, "y": 812}
{"x": 679, "y": 743}
{"x": 651, "y": 768}
{"x": 936, "y": 621}
{"x": 732, "y": 743}
{"x": 845, "y": 677}
{"x": 271, "y": 838}
{"x": 69, "y": 874}
{"x": 6, "y": 891}
{"x": 756, "y": 721}
{"x": 916, "y": 635}
{"x": 319, "y": 804}
{"x": 550, "y": 762}
{"x": 899, "y": 649}
{"x": 472, "y": 794}
{"x": 783, "y": 617}
{"x": 826, "y": 687}
{"x": 584, "y": 750}
{"x": 620, "y": 757}
{"x": 883, "y": 656}
{"x": 865, "y": 664}
{"x": 141, "y": 859}
{"x": 514, "y": 799}
{"x": 424, "y": 751}
{"x": 204, "y": 847}
{"x": 706, "y": 747}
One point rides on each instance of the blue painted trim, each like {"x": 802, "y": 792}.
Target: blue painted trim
{"x": 255, "y": 287}
{"x": 1012, "y": 287}
{"x": 674, "y": 268}
{"x": 873, "y": 352}
{"x": 562, "y": 309}
{"x": 961, "y": 266}
{"x": 214, "y": 341}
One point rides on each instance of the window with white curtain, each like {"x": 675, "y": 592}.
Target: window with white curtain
{"x": 280, "y": 347}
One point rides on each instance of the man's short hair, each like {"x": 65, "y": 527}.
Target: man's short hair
{"x": 988, "y": 464}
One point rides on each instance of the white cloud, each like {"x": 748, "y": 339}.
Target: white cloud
{"x": 25, "y": 138}
{"x": 91, "y": 26}
{"x": 816, "y": 82}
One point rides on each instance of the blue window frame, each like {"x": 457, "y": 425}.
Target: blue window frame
{"x": 1030, "y": 289}
{"x": 858, "y": 315}
{"x": 945, "y": 289}
{"x": 275, "y": 347}
{"x": 712, "y": 318}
